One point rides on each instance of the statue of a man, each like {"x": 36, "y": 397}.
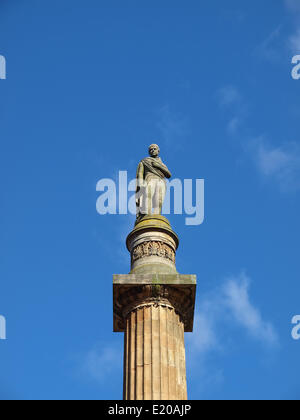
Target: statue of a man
{"x": 151, "y": 184}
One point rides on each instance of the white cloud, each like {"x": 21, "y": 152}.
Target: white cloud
{"x": 231, "y": 101}
{"x": 205, "y": 343}
{"x": 272, "y": 161}
{"x": 273, "y": 46}
{"x": 227, "y": 305}
{"x": 234, "y": 125}
{"x": 101, "y": 363}
{"x": 228, "y": 95}
{"x": 280, "y": 164}
{"x": 204, "y": 338}
{"x": 225, "y": 316}
{"x": 269, "y": 48}
{"x": 294, "y": 42}
{"x": 293, "y": 5}
{"x": 237, "y": 300}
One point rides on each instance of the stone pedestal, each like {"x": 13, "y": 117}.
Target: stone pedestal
{"x": 154, "y": 306}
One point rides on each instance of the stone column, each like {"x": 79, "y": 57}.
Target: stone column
{"x": 154, "y": 306}
{"x": 154, "y": 357}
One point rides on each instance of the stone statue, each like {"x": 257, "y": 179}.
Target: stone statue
{"x": 151, "y": 184}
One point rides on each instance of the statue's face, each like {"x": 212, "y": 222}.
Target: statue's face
{"x": 153, "y": 150}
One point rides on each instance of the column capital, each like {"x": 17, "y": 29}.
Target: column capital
{"x": 132, "y": 292}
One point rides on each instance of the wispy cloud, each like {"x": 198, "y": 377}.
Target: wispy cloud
{"x": 228, "y": 96}
{"x": 204, "y": 338}
{"x": 231, "y": 101}
{"x": 269, "y": 49}
{"x": 280, "y": 164}
{"x": 293, "y": 5}
{"x": 230, "y": 303}
{"x": 227, "y": 315}
{"x": 274, "y": 45}
{"x": 234, "y": 125}
{"x": 244, "y": 312}
{"x": 294, "y": 42}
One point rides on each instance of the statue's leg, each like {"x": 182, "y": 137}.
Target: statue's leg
{"x": 157, "y": 198}
{"x": 162, "y": 194}
{"x": 150, "y": 195}
{"x": 141, "y": 200}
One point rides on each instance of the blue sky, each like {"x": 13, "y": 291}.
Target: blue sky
{"x": 90, "y": 84}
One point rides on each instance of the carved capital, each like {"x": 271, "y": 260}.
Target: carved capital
{"x": 132, "y": 296}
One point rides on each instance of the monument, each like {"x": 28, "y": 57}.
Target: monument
{"x": 153, "y": 305}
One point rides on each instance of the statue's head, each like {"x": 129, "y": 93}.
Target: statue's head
{"x": 154, "y": 150}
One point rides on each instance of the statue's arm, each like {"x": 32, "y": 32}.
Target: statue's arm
{"x": 160, "y": 165}
{"x": 167, "y": 172}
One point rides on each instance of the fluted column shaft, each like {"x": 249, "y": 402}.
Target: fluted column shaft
{"x": 154, "y": 353}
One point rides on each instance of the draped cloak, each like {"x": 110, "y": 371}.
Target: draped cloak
{"x": 146, "y": 174}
